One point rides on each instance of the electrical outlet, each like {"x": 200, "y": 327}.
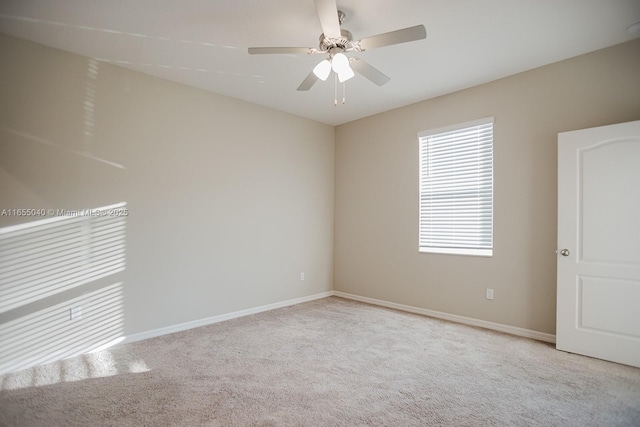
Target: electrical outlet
{"x": 489, "y": 293}
{"x": 301, "y": 276}
{"x": 75, "y": 313}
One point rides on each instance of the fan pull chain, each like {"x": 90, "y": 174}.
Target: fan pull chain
{"x": 335, "y": 90}
{"x": 344, "y": 93}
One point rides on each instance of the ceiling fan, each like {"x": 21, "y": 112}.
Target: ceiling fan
{"x": 335, "y": 42}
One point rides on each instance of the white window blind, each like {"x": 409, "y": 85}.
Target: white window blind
{"x": 456, "y": 189}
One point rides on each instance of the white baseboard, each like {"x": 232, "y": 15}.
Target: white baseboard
{"x": 220, "y": 318}
{"x": 513, "y": 330}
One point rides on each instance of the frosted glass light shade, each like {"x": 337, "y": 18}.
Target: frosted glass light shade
{"x": 346, "y": 74}
{"x": 322, "y": 70}
{"x": 340, "y": 63}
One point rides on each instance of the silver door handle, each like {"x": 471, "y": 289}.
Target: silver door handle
{"x": 564, "y": 252}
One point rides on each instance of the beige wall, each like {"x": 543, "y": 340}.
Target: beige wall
{"x": 376, "y": 229}
{"x": 228, "y": 201}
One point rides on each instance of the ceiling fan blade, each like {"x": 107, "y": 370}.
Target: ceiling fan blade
{"x": 369, "y": 72}
{"x": 394, "y": 37}
{"x": 308, "y": 82}
{"x": 328, "y": 14}
{"x": 282, "y": 50}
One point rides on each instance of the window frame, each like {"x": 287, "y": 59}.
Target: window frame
{"x": 479, "y": 250}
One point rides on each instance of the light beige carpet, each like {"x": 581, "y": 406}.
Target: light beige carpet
{"x": 330, "y": 362}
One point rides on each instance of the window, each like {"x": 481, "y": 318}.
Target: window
{"x": 456, "y": 189}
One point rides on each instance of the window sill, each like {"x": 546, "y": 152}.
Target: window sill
{"x": 458, "y": 251}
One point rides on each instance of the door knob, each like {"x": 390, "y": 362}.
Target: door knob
{"x": 564, "y": 252}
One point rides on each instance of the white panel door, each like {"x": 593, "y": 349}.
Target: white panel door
{"x": 598, "y": 306}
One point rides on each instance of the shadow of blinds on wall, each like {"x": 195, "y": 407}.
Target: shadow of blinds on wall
{"x": 43, "y": 258}
{"x": 60, "y": 293}
{"x": 456, "y": 189}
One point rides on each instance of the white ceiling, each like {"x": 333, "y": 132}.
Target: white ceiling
{"x": 203, "y": 43}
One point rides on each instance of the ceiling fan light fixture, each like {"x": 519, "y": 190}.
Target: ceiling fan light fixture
{"x": 336, "y": 41}
{"x": 346, "y": 74}
{"x": 340, "y": 63}
{"x": 322, "y": 70}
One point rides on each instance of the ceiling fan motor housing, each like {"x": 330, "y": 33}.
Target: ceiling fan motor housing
{"x": 334, "y": 45}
